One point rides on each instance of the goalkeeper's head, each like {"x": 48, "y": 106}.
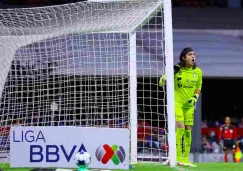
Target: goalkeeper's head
{"x": 188, "y": 58}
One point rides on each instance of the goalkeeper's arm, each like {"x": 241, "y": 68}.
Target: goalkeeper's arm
{"x": 193, "y": 100}
{"x": 162, "y": 79}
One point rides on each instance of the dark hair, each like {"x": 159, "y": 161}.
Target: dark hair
{"x": 184, "y": 52}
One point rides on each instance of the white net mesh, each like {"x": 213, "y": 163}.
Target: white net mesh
{"x": 69, "y": 65}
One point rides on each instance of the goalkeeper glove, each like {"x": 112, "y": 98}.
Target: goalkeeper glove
{"x": 177, "y": 68}
{"x": 162, "y": 80}
{"x": 192, "y": 101}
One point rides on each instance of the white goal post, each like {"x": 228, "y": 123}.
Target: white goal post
{"x": 91, "y": 64}
{"x": 170, "y": 80}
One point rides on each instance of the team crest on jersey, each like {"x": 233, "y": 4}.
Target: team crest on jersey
{"x": 194, "y": 75}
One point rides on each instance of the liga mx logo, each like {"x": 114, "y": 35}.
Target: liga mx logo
{"x": 105, "y": 153}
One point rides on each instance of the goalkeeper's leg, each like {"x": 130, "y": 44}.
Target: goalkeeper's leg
{"x": 179, "y": 137}
{"x": 180, "y": 129}
{"x": 189, "y": 118}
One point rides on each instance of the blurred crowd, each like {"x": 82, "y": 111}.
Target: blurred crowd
{"x": 210, "y": 135}
{"x": 150, "y": 139}
{"x": 217, "y": 123}
{"x": 208, "y": 3}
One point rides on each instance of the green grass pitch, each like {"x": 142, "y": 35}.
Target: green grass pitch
{"x": 159, "y": 167}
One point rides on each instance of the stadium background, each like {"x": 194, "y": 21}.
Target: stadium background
{"x": 218, "y": 44}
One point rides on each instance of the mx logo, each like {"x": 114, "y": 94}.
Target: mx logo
{"x": 105, "y": 153}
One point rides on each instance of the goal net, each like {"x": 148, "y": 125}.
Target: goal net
{"x": 88, "y": 64}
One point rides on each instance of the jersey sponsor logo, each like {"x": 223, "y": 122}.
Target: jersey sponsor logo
{"x": 187, "y": 86}
{"x": 184, "y": 86}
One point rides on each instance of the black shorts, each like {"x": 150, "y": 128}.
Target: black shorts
{"x": 229, "y": 144}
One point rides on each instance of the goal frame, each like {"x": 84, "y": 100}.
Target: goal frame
{"x": 169, "y": 60}
{"x": 168, "y": 43}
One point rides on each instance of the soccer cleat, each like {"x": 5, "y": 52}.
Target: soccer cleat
{"x": 189, "y": 164}
{"x": 179, "y": 163}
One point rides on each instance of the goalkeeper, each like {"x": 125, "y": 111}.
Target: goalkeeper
{"x": 188, "y": 82}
